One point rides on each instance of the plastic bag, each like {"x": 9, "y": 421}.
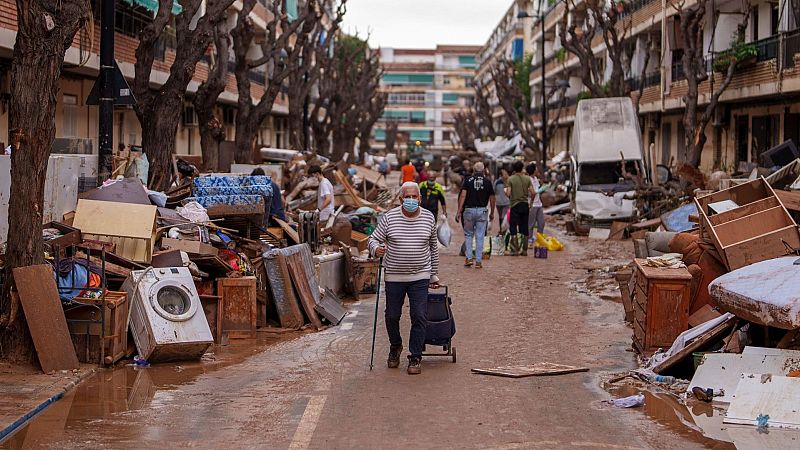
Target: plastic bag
{"x": 444, "y": 234}
{"x": 549, "y": 242}
{"x": 628, "y": 402}
{"x": 506, "y": 221}
{"x": 498, "y": 245}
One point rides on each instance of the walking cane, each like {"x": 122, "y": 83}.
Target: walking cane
{"x": 375, "y": 321}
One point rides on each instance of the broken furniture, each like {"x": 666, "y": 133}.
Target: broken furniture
{"x": 766, "y": 293}
{"x": 331, "y": 270}
{"x": 167, "y": 319}
{"x": 131, "y": 227}
{"x": 754, "y": 231}
{"x": 36, "y": 290}
{"x": 661, "y": 306}
{"x": 242, "y": 201}
{"x": 212, "y": 307}
{"x": 99, "y": 327}
{"x": 239, "y": 308}
{"x": 655, "y": 243}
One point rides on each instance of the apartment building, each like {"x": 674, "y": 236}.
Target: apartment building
{"x": 77, "y": 123}
{"x": 759, "y": 109}
{"x": 425, "y": 89}
{"x": 510, "y": 40}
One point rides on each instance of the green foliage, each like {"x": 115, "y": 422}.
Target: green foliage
{"x": 561, "y": 55}
{"x": 522, "y": 74}
{"x": 738, "y": 52}
{"x": 583, "y": 95}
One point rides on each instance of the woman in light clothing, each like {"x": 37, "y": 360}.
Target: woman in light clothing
{"x": 536, "y": 214}
{"x": 501, "y": 199}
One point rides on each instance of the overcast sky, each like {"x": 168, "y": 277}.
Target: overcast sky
{"x": 424, "y": 23}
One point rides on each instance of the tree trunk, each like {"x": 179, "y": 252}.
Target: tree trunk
{"x": 46, "y": 31}
{"x": 211, "y": 130}
{"x": 246, "y": 134}
{"x": 159, "y": 130}
{"x": 294, "y": 129}
{"x": 211, "y": 134}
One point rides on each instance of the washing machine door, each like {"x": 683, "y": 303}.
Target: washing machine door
{"x": 173, "y": 301}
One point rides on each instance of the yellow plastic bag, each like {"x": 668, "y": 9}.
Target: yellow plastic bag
{"x": 549, "y": 242}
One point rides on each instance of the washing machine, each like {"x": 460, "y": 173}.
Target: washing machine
{"x": 167, "y": 320}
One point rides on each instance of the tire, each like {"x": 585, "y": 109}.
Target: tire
{"x": 454, "y": 354}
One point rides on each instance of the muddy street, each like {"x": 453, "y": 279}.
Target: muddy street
{"x": 316, "y": 391}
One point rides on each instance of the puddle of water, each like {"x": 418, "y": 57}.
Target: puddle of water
{"x": 126, "y": 388}
{"x": 702, "y": 422}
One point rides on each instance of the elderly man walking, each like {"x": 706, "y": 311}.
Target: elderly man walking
{"x": 476, "y": 193}
{"x": 406, "y": 238}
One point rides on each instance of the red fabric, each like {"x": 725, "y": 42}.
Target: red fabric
{"x": 703, "y": 262}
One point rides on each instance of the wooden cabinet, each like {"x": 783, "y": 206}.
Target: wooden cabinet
{"x": 238, "y": 300}
{"x": 660, "y": 306}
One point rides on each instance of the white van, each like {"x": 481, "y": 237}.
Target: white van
{"x": 606, "y": 130}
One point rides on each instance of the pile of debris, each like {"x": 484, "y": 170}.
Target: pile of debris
{"x": 712, "y": 296}
{"x": 206, "y": 262}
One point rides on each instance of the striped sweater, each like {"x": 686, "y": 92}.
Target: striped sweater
{"x": 412, "y": 250}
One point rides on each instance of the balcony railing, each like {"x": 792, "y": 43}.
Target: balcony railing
{"x": 791, "y": 47}
{"x": 635, "y": 83}
{"x": 767, "y": 48}
{"x": 631, "y": 6}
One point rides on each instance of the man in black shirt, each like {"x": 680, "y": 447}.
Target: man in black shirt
{"x": 476, "y": 192}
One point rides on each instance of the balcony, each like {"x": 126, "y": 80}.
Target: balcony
{"x": 791, "y": 47}
{"x": 631, "y": 6}
{"x": 652, "y": 79}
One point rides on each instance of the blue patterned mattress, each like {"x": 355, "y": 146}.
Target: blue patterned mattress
{"x": 231, "y": 200}
{"x": 232, "y": 181}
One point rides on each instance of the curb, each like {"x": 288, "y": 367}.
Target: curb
{"x": 22, "y": 421}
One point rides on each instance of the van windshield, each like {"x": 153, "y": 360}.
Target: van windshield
{"x": 605, "y": 176}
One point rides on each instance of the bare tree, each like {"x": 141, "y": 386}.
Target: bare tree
{"x": 45, "y": 31}
{"x": 599, "y": 17}
{"x": 212, "y": 131}
{"x": 484, "y": 113}
{"x": 159, "y": 110}
{"x": 695, "y": 120}
{"x": 465, "y": 125}
{"x": 301, "y": 82}
{"x": 280, "y": 51}
{"x": 516, "y": 104}
{"x": 391, "y": 135}
{"x": 349, "y": 87}
{"x": 370, "y": 104}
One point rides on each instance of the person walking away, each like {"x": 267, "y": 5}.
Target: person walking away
{"x": 536, "y": 214}
{"x": 432, "y": 193}
{"x": 324, "y": 193}
{"x": 408, "y": 173}
{"x": 406, "y": 239}
{"x": 501, "y": 199}
{"x": 422, "y": 173}
{"x": 476, "y": 192}
{"x": 276, "y": 202}
{"x": 518, "y": 188}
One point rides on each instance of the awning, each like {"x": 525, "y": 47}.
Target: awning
{"x": 152, "y": 5}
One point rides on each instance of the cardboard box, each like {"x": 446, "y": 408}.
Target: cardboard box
{"x": 131, "y": 227}
{"x": 188, "y": 246}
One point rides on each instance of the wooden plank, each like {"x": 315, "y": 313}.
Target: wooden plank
{"x": 617, "y": 231}
{"x": 45, "y": 316}
{"x": 288, "y": 230}
{"x": 762, "y": 247}
{"x": 347, "y": 187}
{"x": 115, "y": 219}
{"x": 280, "y": 284}
{"x": 537, "y": 369}
{"x": 239, "y": 307}
{"x": 742, "y": 211}
{"x": 790, "y": 199}
{"x": 703, "y": 315}
{"x": 300, "y": 280}
{"x": 755, "y": 224}
{"x": 704, "y": 339}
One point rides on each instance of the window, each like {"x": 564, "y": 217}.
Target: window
{"x": 446, "y": 136}
{"x": 69, "y": 116}
{"x": 449, "y": 98}
{"x": 406, "y": 78}
{"x": 517, "y": 49}
{"x": 774, "y": 20}
{"x": 467, "y": 61}
{"x": 419, "y": 135}
{"x": 401, "y": 98}
{"x": 754, "y": 15}
{"x": 379, "y": 134}
{"x": 291, "y": 9}
{"x": 417, "y": 116}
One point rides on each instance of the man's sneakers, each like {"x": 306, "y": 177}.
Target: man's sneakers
{"x": 468, "y": 262}
{"x": 394, "y": 357}
{"x": 478, "y": 265}
{"x": 414, "y": 366}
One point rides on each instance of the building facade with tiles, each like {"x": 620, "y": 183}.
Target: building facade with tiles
{"x": 760, "y": 108}
{"x": 77, "y": 123}
{"x": 425, "y": 88}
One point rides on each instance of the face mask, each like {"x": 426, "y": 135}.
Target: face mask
{"x": 410, "y": 204}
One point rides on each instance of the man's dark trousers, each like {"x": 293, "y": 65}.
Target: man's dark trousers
{"x": 417, "y": 292}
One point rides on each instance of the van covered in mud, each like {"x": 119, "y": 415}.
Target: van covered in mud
{"x": 606, "y": 131}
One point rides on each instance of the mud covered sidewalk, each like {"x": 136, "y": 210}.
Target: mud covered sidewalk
{"x": 315, "y": 390}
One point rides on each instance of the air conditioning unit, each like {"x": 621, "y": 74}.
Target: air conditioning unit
{"x": 189, "y": 116}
